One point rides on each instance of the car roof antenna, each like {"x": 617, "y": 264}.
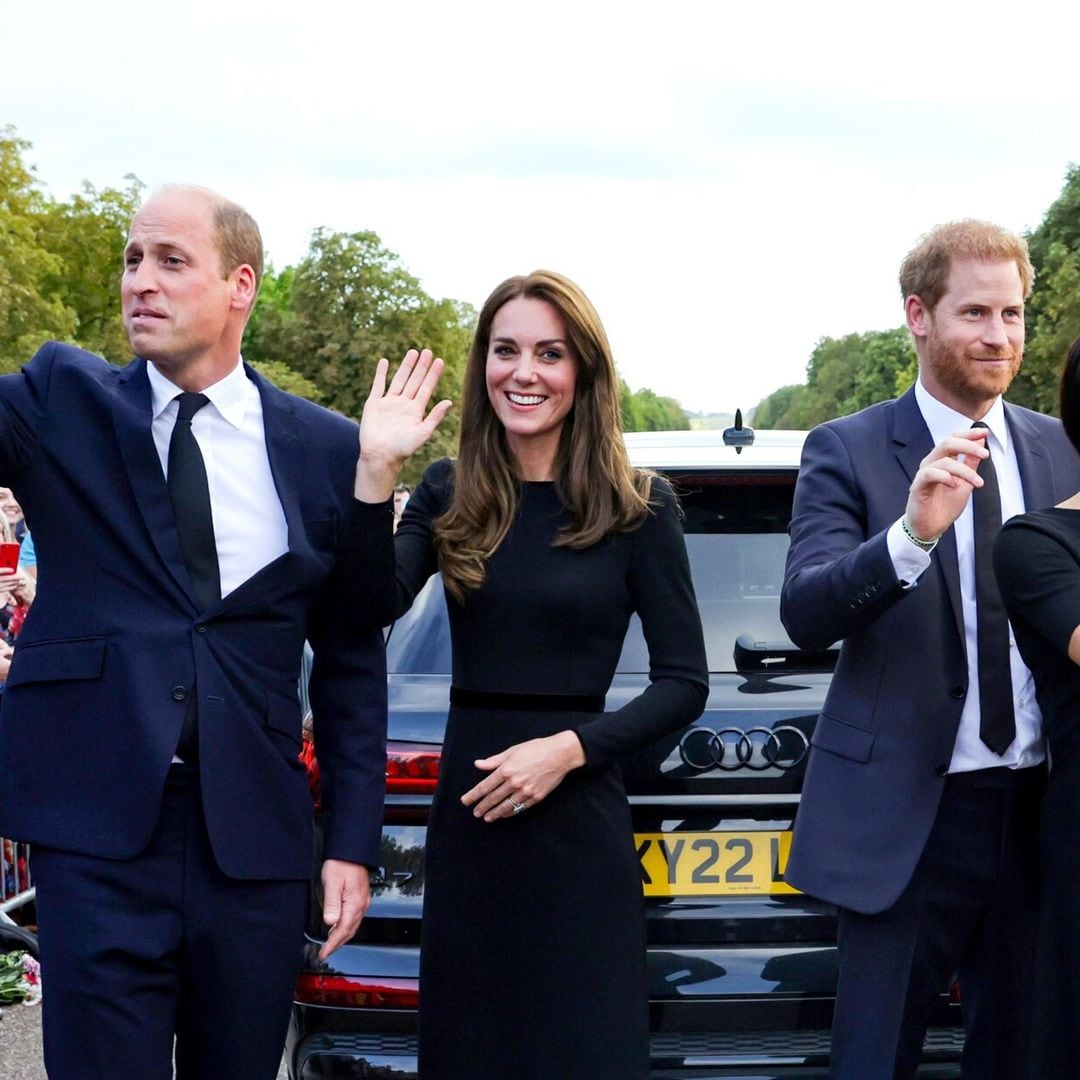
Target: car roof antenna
{"x": 739, "y": 436}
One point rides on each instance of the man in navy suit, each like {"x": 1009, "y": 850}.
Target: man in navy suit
{"x": 150, "y": 729}
{"x": 919, "y": 811}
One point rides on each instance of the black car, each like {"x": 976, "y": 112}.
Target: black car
{"x": 742, "y": 967}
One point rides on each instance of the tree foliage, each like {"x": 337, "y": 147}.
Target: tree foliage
{"x": 317, "y": 330}
{"x": 843, "y": 375}
{"x": 848, "y": 373}
{"x": 347, "y": 303}
{"x": 59, "y": 262}
{"x": 88, "y": 234}
{"x": 1052, "y": 314}
{"x": 28, "y": 313}
{"x": 642, "y": 410}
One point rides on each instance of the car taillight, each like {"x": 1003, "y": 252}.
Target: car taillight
{"x": 357, "y": 992}
{"x": 412, "y": 768}
{"x": 311, "y": 766}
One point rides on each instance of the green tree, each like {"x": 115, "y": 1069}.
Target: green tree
{"x": 770, "y": 410}
{"x": 285, "y": 378}
{"x": 843, "y": 375}
{"x": 348, "y": 302}
{"x": 643, "y": 410}
{"x": 28, "y": 312}
{"x": 1052, "y": 314}
{"x": 87, "y": 235}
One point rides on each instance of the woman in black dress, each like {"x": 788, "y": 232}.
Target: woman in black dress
{"x": 533, "y": 953}
{"x": 1037, "y": 564}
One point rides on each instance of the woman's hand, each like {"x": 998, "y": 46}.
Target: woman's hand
{"x": 395, "y": 422}
{"x": 523, "y": 774}
{"x": 17, "y": 584}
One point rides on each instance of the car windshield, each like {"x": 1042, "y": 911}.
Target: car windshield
{"x": 736, "y": 539}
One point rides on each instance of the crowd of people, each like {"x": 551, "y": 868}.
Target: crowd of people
{"x": 18, "y": 584}
{"x": 150, "y": 725}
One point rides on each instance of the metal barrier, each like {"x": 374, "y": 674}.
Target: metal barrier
{"x": 16, "y": 884}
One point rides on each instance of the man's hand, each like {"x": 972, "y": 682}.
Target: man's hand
{"x": 944, "y": 482}
{"x": 395, "y": 422}
{"x": 346, "y": 898}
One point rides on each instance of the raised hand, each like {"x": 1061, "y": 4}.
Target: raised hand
{"x": 396, "y": 422}
{"x": 944, "y": 483}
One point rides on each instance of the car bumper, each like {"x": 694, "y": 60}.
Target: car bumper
{"x": 761, "y": 1055}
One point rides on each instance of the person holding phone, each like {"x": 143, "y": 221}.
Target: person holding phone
{"x": 17, "y": 591}
{"x": 533, "y": 952}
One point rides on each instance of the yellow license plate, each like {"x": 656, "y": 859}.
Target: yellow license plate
{"x": 714, "y": 863}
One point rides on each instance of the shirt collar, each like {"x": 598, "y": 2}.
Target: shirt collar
{"x": 231, "y": 396}
{"x": 943, "y": 420}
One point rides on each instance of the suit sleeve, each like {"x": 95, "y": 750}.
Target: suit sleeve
{"x": 663, "y": 597}
{"x": 23, "y": 402}
{"x": 388, "y": 569}
{"x": 838, "y": 579}
{"x": 347, "y": 687}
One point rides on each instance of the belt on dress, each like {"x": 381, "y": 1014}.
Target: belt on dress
{"x": 484, "y": 699}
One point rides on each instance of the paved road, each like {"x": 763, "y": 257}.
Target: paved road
{"x": 20, "y": 1044}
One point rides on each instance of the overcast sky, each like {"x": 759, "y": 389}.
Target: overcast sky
{"x": 728, "y": 182}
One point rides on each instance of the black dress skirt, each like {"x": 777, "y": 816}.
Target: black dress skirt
{"x": 1037, "y": 562}
{"x": 533, "y": 953}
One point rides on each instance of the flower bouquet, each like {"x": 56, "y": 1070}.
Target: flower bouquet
{"x": 20, "y": 979}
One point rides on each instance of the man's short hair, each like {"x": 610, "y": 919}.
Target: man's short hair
{"x": 238, "y": 237}
{"x": 925, "y": 269}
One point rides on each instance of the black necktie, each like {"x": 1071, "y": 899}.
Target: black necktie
{"x": 190, "y": 496}
{"x": 997, "y": 724}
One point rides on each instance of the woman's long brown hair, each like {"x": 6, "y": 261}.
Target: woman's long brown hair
{"x": 593, "y": 475}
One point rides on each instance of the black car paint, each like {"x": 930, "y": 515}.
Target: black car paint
{"x": 739, "y": 986}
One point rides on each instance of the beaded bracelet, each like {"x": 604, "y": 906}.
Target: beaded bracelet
{"x": 918, "y": 541}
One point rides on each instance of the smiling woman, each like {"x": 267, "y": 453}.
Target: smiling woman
{"x": 532, "y": 957}
{"x": 531, "y": 371}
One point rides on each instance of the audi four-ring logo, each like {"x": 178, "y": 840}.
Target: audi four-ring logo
{"x": 755, "y": 748}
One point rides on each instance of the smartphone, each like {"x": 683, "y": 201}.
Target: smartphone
{"x": 9, "y": 556}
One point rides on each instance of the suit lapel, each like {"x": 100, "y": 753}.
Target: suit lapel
{"x": 132, "y": 417}
{"x": 1036, "y": 465}
{"x": 284, "y": 446}
{"x": 913, "y": 442}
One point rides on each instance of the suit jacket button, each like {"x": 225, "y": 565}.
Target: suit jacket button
{"x": 201, "y": 628}
{"x": 179, "y": 693}
{"x": 941, "y": 770}
{"x": 958, "y": 691}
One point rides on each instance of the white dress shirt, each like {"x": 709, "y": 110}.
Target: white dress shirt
{"x": 249, "y": 524}
{"x": 969, "y": 751}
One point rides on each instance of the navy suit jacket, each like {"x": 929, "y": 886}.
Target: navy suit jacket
{"x": 116, "y": 638}
{"x": 885, "y": 736}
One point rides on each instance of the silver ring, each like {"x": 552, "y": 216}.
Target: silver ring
{"x": 517, "y": 807}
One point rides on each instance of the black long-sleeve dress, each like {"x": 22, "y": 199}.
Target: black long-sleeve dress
{"x": 533, "y": 953}
{"x": 1037, "y": 564}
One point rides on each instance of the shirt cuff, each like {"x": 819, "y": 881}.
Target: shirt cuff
{"x": 908, "y": 561}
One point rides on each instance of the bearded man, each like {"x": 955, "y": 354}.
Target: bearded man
{"x": 920, "y": 806}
